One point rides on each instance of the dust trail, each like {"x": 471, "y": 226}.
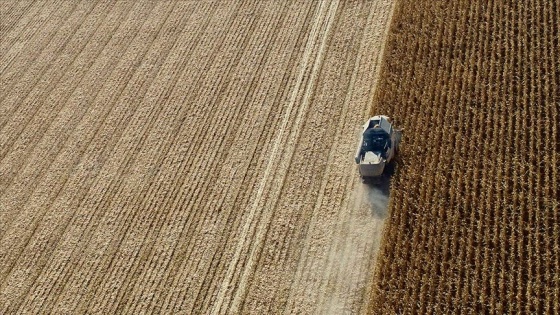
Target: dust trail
{"x": 352, "y": 260}
{"x": 376, "y": 196}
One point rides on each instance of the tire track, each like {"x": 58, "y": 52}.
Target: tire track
{"x": 219, "y": 204}
{"x": 240, "y": 290}
{"x": 226, "y": 142}
{"x": 194, "y": 200}
{"x": 258, "y": 127}
{"x": 265, "y": 143}
{"x": 276, "y": 265}
{"x": 342, "y": 228}
{"x": 165, "y": 162}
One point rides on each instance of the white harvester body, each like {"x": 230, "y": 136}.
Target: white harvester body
{"x": 379, "y": 142}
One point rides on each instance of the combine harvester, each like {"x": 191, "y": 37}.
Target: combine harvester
{"x": 378, "y": 145}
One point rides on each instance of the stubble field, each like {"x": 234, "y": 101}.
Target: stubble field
{"x": 187, "y": 156}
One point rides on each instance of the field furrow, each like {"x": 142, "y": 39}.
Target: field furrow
{"x": 130, "y": 95}
{"x": 44, "y": 142}
{"x": 13, "y": 12}
{"x": 66, "y": 31}
{"x": 26, "y": 27}
{"x": 78, "y": 145}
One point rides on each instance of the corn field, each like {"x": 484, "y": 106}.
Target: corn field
{"x": 474, "y": 226}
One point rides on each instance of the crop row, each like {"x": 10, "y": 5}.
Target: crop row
{"x": 474, "y": 225}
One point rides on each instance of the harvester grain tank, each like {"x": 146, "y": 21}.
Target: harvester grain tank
{"x": 379, "y": 142}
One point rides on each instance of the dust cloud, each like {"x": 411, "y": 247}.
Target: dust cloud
{"x": 376, "y": 196}
{"x": 353, "y": 258}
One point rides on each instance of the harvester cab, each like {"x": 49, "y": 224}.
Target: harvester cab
{"x": 378, "y": 145}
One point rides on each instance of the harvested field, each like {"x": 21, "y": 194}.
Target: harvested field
{"x": 187, "y": 156}
{"x": 474, "y": 224}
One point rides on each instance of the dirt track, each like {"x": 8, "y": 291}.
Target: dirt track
{"x": 186, "y": 157}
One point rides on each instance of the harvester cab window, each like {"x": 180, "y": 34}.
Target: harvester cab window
{"x": 375, "y": 140}
{"x": 373, "y": 123}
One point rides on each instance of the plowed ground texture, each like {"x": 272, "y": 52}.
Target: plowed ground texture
{"x": 474, "y": 224}
{"x": 187, "y": 156}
